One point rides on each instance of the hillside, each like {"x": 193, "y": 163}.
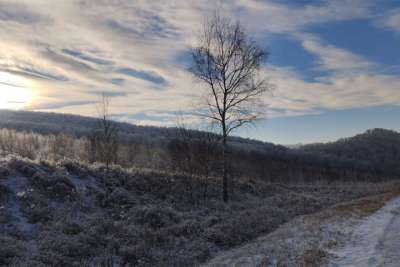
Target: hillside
{"x": 45, "y": 122}
{"x": 70, "y": 214}
{"x": 375, "y": 153}
{"x": 159, "y": 203}
{"x": 378, "y": 148}
{"x": 54, "y": 123}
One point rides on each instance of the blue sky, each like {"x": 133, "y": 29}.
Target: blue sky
{"x": 335, "y": 63}
{"x": 326, "y": 126}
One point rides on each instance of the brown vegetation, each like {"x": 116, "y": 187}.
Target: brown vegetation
{"x": 146, "y": 218}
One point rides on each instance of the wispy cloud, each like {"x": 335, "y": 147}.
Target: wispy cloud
{"x": 332, "y": 58}
{"x": 53, "y": 106}
{"x": 144, "y": 75}
{"x": 390, "y": 20}
{"x": 85, "y": 57}
{"x": 18, "y": 12}
{"x": 32, "y": 72}
{"x": 108, "y": 93}
{"x": 75, "y": 49}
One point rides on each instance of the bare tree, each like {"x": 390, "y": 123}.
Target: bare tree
{"x": 228, "y": 62}
{"x": 194, "y": 153}
{"x": 105, "y": 138}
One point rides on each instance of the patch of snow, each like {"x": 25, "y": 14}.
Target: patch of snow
{"x": 375, "y": 242}
{"x": 19, "y": 185}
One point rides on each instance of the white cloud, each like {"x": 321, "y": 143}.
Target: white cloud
{"x": 146, "y": 36}
{"x": 280, "y": 18}
{"x": 336, "y": 92}
{"x": 332, "y": 58}
{"x": 391, "y": 20}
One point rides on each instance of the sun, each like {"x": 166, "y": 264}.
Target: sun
{"x": 14, "y": 92}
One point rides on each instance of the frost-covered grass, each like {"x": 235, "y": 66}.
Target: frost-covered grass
{"x": 69, "y": 214}
{"x": 374, "y": 241}
{"x": 352, "y": 233}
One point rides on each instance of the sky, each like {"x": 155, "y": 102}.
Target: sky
{"x": 334, "y": 64}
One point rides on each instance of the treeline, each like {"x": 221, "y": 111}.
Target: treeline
{"x": 56, "y": 147}
{"x": 53, "y": 147}
{"x": 195, "y": 154}
{"x": 376, "y": 149}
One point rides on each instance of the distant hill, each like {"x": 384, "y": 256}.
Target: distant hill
{"x": 378, "y": 148}
{"x": 46, "y": 122}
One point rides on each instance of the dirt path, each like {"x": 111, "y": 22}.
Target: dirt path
{"x": 364, "y": 232}
{"x": 374, "y": 242}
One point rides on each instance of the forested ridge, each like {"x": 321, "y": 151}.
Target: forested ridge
{"x": 375, "y": 153}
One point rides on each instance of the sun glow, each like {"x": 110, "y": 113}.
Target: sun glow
{"x": 15, "y": 92}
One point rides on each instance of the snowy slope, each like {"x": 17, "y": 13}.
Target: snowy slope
{"x": 374, "y": 242}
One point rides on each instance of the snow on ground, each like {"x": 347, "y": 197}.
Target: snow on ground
{"x": 374, "y": 242}
{"x": 296, "y": 243}
{"x": 341, "y": 236}
{"x": 20, "y": 187}
{"x": 69, "y": 214}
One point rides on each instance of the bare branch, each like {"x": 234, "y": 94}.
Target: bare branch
{"x": 228, "y": 62}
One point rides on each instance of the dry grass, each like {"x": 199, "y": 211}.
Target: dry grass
{"x": 80, "y": 213}
{"x": 313, "y": 257}
{"x": 304, "y": 240}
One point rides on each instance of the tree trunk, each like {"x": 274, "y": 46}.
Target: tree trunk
{"x": 225, "y": 195}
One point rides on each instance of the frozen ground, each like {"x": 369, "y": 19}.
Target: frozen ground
{"x": 374, "y": 242}
{"x": 358, "y": 233}
{"x": 71, "y": 214}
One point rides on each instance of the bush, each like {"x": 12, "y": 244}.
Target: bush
{"x": 157, "y": 217}
{"x": 4, "y": 193}
{"x": 68, "y": 226}
{"x": 9, "y": 250}
{"x": 118, "y": 198}
{"x": 40, "y": 214}
{"x": 60, "y": 188}
{"x": 134, "y": 254}
{"x": 4, "y": 172}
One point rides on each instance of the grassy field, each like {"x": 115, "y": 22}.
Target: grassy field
{"x": 68, "y": 214}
